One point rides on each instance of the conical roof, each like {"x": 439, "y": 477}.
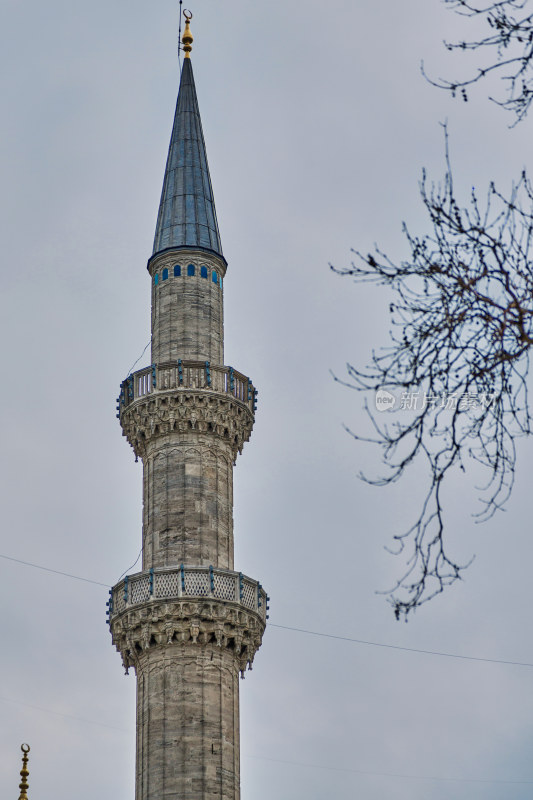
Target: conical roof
{"x": 187, "y": 215}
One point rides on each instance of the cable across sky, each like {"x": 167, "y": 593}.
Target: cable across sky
{"x": 353, "y": 640}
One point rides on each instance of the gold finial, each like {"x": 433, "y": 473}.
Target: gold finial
{"x": 187, "y": 38}
{"x": 24, "y": 772}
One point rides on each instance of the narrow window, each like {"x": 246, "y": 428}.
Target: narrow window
{"x": 190, "y": 269}
{"x": 156, "y": 279}
{"x": 165, "y": 274}
{"x": 214, "y": 277}
{"x": 177, "y": 270}
{"x": 220, "y": 281}
{"x": 203, "y": 272}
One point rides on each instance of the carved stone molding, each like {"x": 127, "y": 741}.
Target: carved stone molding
{"x": 186, "y": 255}
{"x": 195, "y": 623}
{"x": 182, "y": 410}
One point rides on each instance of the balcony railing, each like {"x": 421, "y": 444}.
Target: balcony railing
{"x": 176, "y": 375}
{"x": 168, "y": 583}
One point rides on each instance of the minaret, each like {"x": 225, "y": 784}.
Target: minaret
{"x": 188, "y": 623}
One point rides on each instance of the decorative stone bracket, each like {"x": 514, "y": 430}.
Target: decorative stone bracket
{"x": 182, "y": 410}
{"x": 185, "y": 622}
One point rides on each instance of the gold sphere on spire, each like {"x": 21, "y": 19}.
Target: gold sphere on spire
{"x": 187, "y": 37}
{"x": 24, "y": 772}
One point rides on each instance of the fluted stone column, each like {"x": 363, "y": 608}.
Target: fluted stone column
{"x": 188, "y": 503}
{"x": 188, "y": 714}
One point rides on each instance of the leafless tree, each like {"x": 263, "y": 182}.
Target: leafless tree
{"x": 508, "y": 45}
{"x": 457, "y": 364}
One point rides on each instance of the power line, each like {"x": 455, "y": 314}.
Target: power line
{"x": 133, "y": 565}
{"x": 61, "y": 714}
{"x": 393, "y": 774}
{"x": 293, "y": 763}
{"x": 406, "y": 649}
{"x": 136, "y": 362}
{"x": 55, "y": 571}
{"x": 366, "y": 642}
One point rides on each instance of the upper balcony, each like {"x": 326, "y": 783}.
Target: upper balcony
{"x": 192, "y": 375}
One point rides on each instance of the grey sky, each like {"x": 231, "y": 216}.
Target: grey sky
{"x": 317, "y": 124}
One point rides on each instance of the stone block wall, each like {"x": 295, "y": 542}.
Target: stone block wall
{"x": 188, "y": 502}
{"x": 187, "y": 310}
{"x": 187, "y": 724}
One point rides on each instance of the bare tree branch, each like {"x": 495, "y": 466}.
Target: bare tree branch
{"x": 457, "y": 364}
{"x": 509, "y": 46}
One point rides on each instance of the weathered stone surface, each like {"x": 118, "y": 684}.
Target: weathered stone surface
{"x": 187, "y": 315}
{"x": 170, "y": 416}
{"x": 187, "y": 655}
{"x": 187, "y": 724}
{"x": 160, "y": 624}
{"x": 188, "y": 504}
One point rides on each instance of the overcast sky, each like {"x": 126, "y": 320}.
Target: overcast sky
{"x": 317, "y": 124}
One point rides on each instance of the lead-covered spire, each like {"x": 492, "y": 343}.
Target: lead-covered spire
{"x": 187, "y": 215}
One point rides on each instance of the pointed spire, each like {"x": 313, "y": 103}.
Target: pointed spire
{"x": 187, "y": 216}
{"x": 24, "y": 772}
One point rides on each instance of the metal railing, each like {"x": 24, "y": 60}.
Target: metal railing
{"x": 166, "y": 583}
{"x": 187, "y": 375}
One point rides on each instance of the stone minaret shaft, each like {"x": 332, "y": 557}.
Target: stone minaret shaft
{"x": 188, "y": 624}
